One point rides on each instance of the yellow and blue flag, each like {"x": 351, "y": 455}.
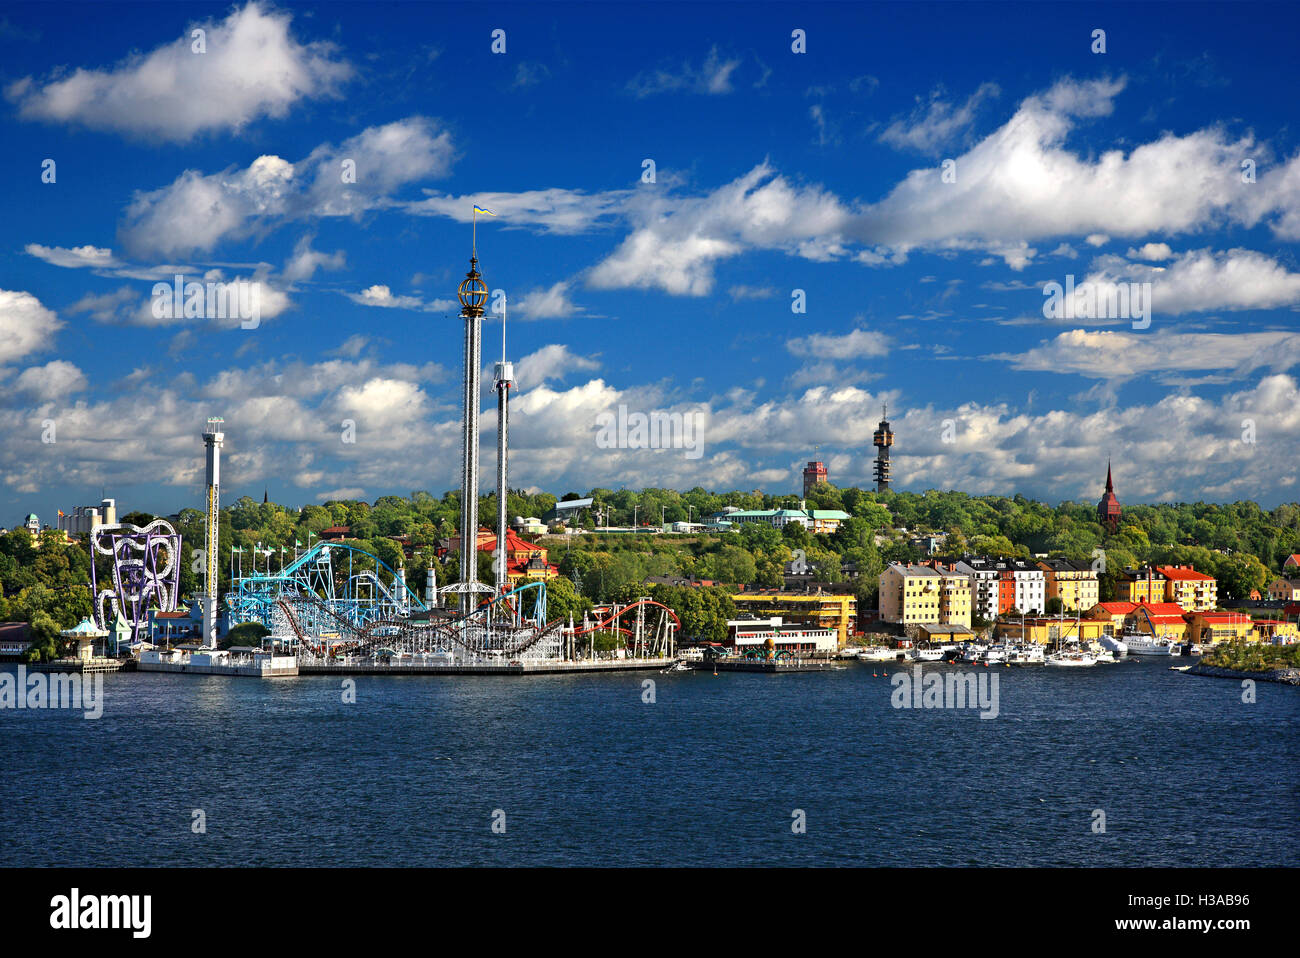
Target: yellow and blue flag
{"x": 479, "y": 209}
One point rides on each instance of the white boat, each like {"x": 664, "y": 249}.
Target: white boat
{"x": 973, "y": 652}
{"x": 1142, "y": 644}
{"x": 994, "y": 655}
{"x": 1113, "y": 643}
{"x": 1072, "y": 658}
{"x": 926, "y": 655}
{"x": 1026, "y": 655}
{"x": 878, "y": 653}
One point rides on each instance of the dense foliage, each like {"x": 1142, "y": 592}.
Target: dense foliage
{"x": 1239, "y": 543}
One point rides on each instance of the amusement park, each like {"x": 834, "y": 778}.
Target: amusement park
{"x": 337, "y": 607}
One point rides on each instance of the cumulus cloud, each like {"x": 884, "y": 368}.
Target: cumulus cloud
{"x": 55, "y": 380}
{"x": 858, "y": 344}
{"x": 197, "y": 211}
{"x": 677, "y": 241}
{"x": 25, "y": 325}
{"x": 550, "y": 302}
{"x": 555, "y": 361}
{"x": 252, "y": 68}
{"x": 1199, "y": 281}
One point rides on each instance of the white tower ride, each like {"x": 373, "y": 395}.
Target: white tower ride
{"x": 505, "y": 380}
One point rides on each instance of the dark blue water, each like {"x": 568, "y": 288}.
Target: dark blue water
{"x": 587, "y": 774}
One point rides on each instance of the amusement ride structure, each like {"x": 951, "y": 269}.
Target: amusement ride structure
{"x": 337, "y": 602}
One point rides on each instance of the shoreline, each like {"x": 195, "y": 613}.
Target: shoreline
{"x": 1286, "y": 676}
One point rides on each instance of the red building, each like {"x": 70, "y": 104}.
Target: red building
{"x": 1108, "y": 511}
{"x": 813, "y": 473}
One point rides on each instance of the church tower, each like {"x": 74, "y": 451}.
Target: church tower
{"x": 1108, "y": 511}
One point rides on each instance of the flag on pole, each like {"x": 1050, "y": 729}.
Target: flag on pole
{"x": 479, "y": 209}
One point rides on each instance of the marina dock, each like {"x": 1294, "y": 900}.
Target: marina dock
{"x": 771, "y": 666}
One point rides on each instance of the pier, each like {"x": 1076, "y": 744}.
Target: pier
{"x": 770, "y": 666}
{"x": 519, "y": 667}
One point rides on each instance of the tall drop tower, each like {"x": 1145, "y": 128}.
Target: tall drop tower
{"x": 882, "y": 440}
{"x": 213, "y": 437}
{"x": 504, "y": 377}
{"x": 473, "y": 293}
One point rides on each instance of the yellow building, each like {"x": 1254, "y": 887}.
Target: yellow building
{"x": 1207, "y": 627}
{"x": 918, "y": 594}
{"x": 1074, "y": 583}
{"x": 1276, "y": 631}
{"x": 1046, "y": 630}
{"x": 829, "y": 611}
{"x": 1181, "y": 585}
{"x": 1141, "y": 585}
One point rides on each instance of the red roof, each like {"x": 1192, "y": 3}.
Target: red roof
{"x": 1162, "y": 608}
{"x": 1292, "y": 559}
{"x": 1169, "y": 572}
{"x": 171, "y": 615}
{"x": 1229, "y": 617}
{"x": 1118, "y": 608}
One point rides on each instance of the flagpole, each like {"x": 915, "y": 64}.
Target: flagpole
{"x": 474, "y": 242}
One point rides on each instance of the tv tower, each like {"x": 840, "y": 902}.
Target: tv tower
{"x": 473, "y": 293}
{"x": 882, "y": 440}
{"x": 213, "y": 437}
{"x": 504, "y": 377}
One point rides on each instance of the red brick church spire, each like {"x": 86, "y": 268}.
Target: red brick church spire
{"x": 1108, "y": 510}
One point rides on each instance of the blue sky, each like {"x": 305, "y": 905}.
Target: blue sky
{"x": 775, "y": 171}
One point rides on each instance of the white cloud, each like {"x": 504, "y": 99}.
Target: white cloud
{"x": 1202, "y": 280}
{"x": 252, "y": 68}
{"x": 677, "y": 241}
{"x": 381, "y": 296}
{"x": 550, "y": 303}
{"x": 555, "y": 361}
{"x": 858, "y": 344}
{"x": 305, "y": 261}
{"x": 713, "y": 77}
{"x": 936, "y": 123}
{"x": 58, "y": 379}
{"x": 1112, "y": 354}
{"x": 1151, "y": 251}
{"x": 553, "y": 210}
{"x": 197, "y": 211}
{"x": 76, "y": 257}
{"x": 25, "y": 325}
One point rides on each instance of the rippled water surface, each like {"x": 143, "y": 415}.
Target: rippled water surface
{"x": 587, "y": 773}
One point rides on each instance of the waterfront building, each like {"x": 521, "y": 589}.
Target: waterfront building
{"x": 745, "y": 635}
{"x": 1074, "y": 583}
{"x": 15, "y": 639}
{"x": 1179, "y": 584}
{"x": 1113, "y": 615}
{"x": 924, "y": 594}
{"x": 1276, "y": 631}
{"x": 1207, "y": 627}
{"x": 823, "y": 609}
{"x": 985, "y": 585}
{"x": 1197, "y": 591}
{"x": 1049, "y": 630}
{"x": 1163, "y": 619}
